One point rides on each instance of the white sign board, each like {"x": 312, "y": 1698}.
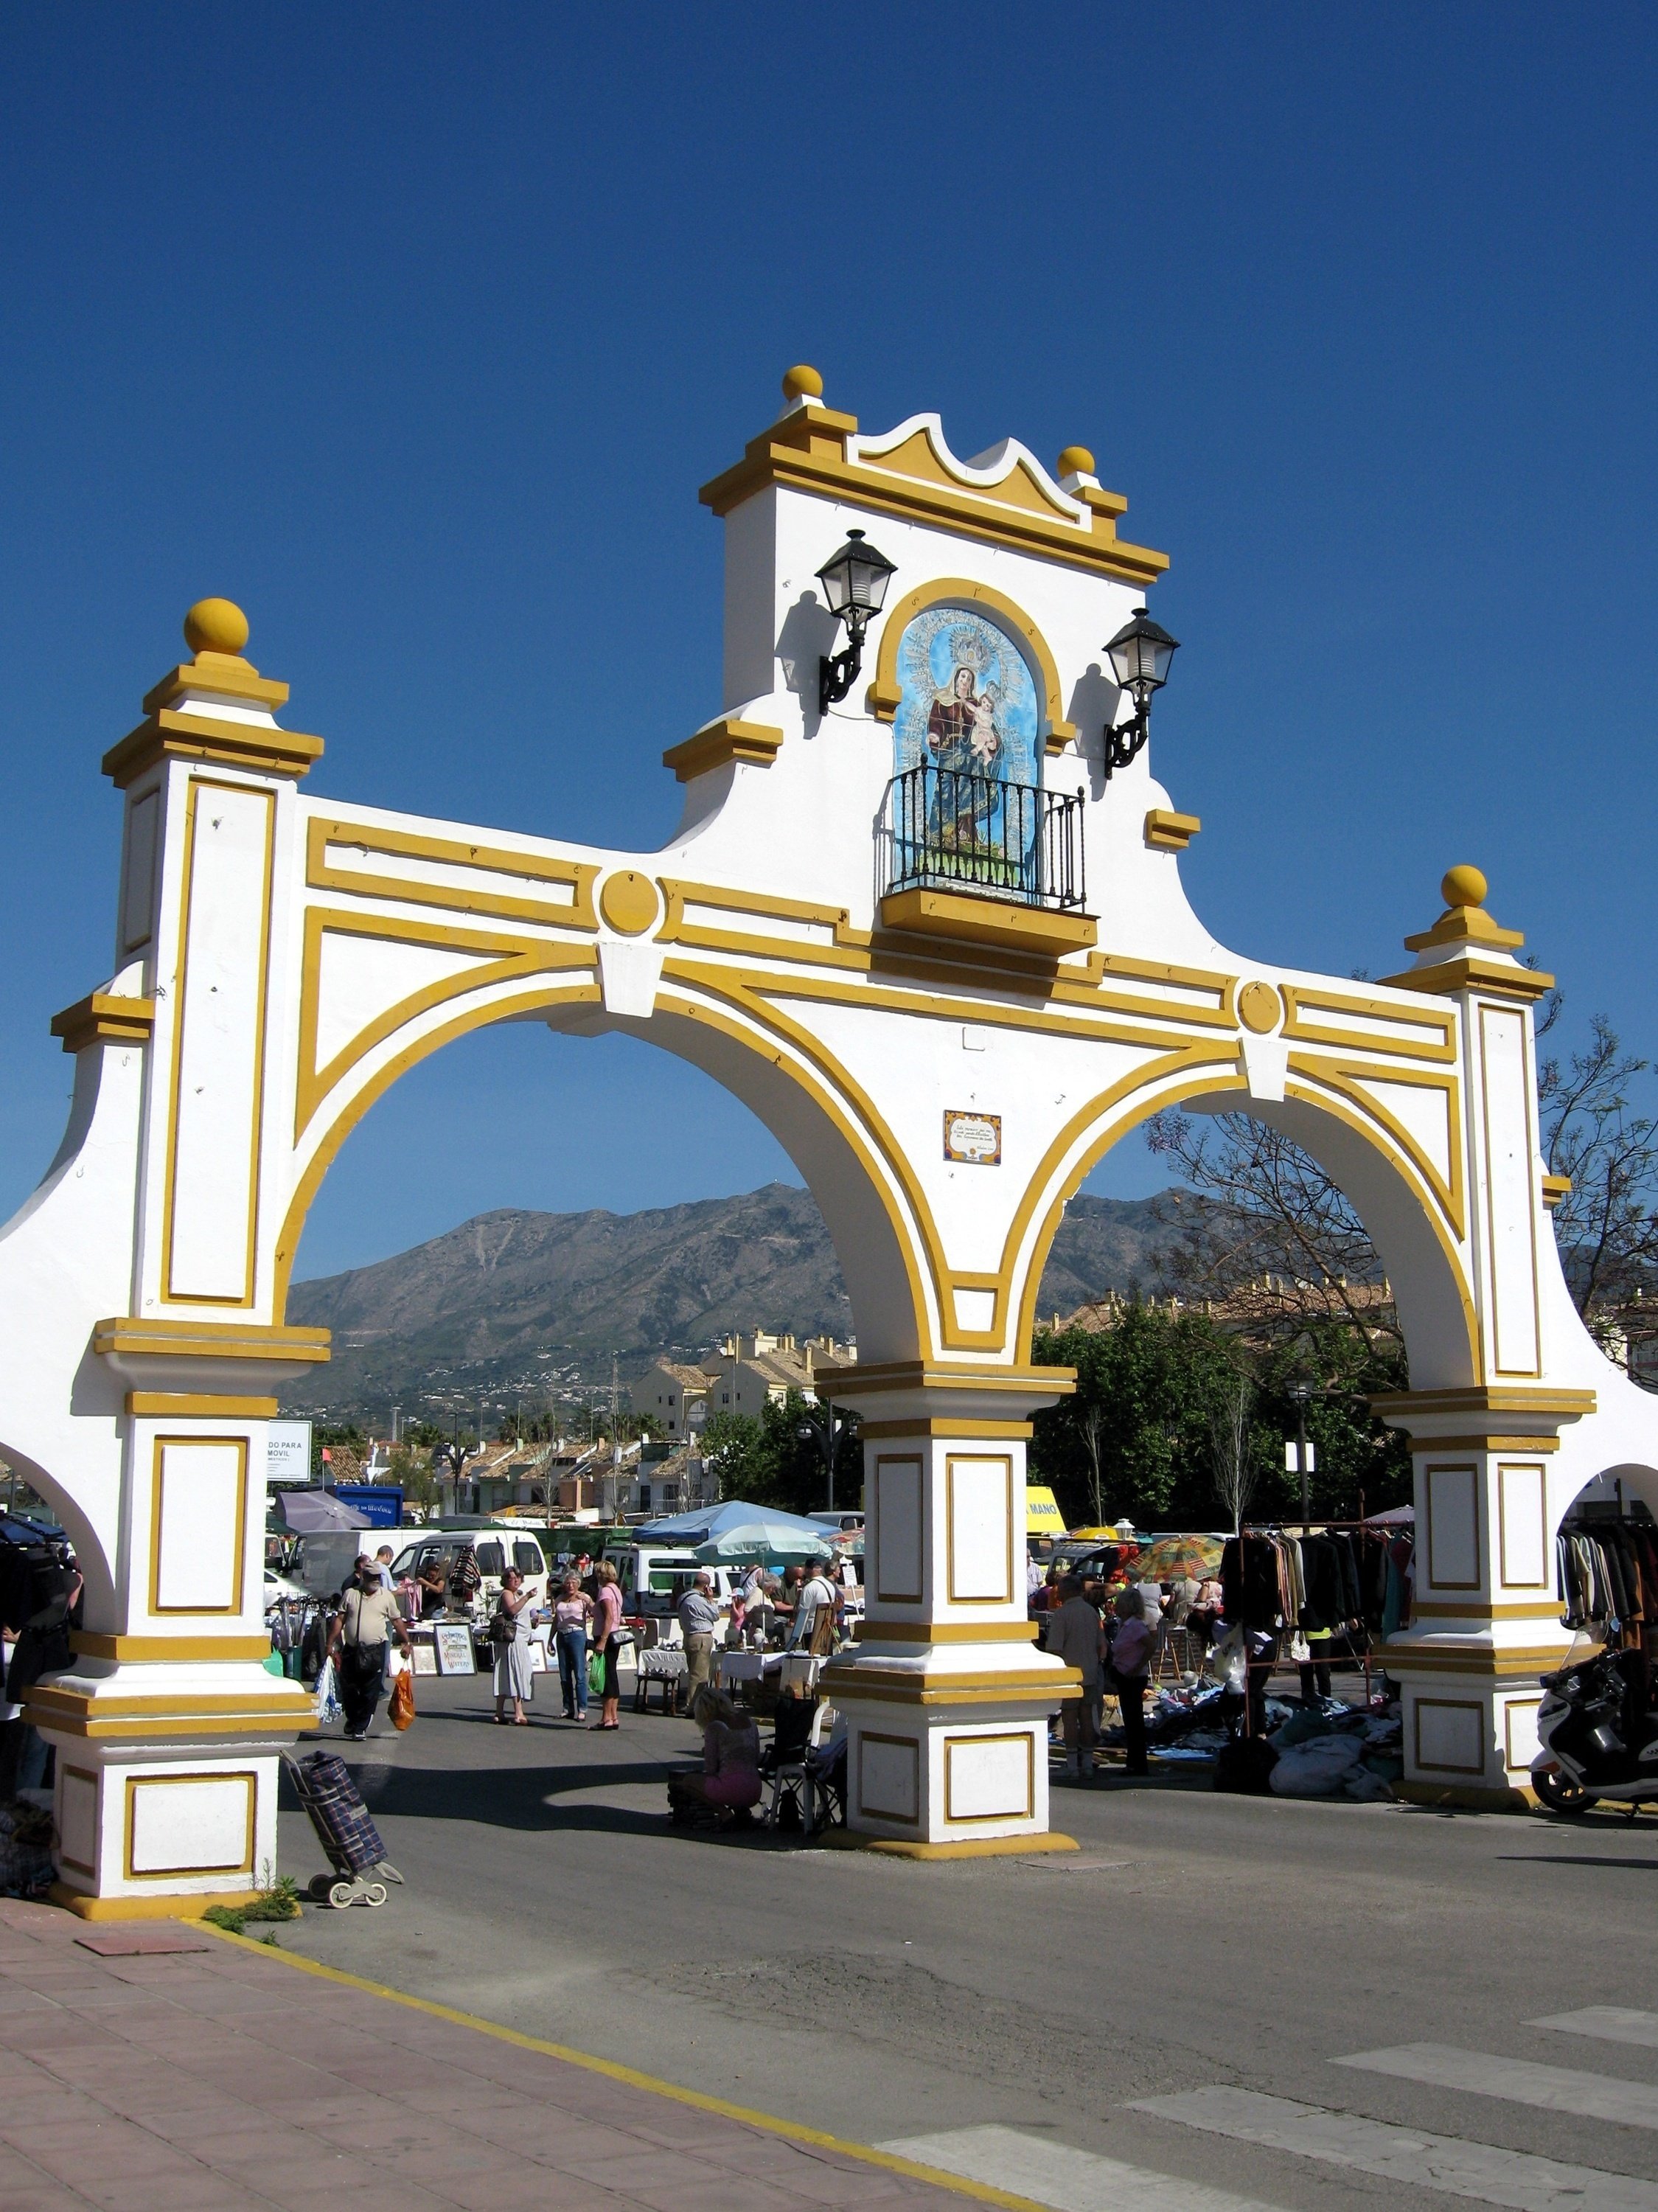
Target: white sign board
{"x": 288, "y": 1451}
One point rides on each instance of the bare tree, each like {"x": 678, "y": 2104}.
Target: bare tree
{"x": 1229, "y": 1455}
{"x": 1090, "y": 1429}
{"x": 1606, "y": 1226}
{"x": 1275, "y": 1238}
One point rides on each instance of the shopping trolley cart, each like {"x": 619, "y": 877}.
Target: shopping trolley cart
{"x": 344, "y": 1829}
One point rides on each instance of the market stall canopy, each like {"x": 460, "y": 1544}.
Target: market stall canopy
{"x": 711, "y": 1521}
{"x": 772, "y": 1536}
{"x": 317, "y": 1513}
{"x": 1042, "y": 1516}
{"x": 1178, "y": 1558}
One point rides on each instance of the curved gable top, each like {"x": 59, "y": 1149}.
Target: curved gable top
{"x": 1008, "y": 475}
{"x": 1005, "y": 496}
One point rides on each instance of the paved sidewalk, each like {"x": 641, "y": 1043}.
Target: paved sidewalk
{"x": 213, "y": 2078}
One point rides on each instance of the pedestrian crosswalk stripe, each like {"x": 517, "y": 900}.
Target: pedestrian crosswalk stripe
{"x": 1611, "y": 2023}
{"x": 1076, "y": 2180}
{"x": 1551, "y": 2089}
{"x": 1481, "y": 2171}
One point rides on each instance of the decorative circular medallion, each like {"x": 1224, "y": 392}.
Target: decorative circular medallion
{"x": 1260, "y": 1008}
{"x": 628, "y": 902}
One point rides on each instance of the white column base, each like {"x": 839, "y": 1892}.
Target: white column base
{"x": 947, "y": 1745}
{"x": 164, "y": 1800}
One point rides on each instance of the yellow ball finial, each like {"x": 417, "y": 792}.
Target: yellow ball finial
{"x": 1463, "y": 886}
{"x": 802, "y": 382}
{"x": 1076, "y": 461}
{"x": 215, "y": 626}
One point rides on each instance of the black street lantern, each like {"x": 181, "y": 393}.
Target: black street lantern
{"x": 855, "y": 582}
{"x": 1139, "y": 653}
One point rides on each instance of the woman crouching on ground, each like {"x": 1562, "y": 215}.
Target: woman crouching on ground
{"x": 730, "y": 1780}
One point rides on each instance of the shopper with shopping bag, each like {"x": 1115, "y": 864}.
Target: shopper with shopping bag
{"x": 367, "y": 1615}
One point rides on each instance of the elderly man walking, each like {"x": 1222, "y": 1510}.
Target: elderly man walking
{"x": 1076, "y": 1635}
{"x": 699, "y": 1622}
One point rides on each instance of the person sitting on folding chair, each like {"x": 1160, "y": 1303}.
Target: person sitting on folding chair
{"x": 730, "y": 1781}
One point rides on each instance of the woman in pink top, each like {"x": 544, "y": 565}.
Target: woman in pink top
{"x": 607, "y": 1619}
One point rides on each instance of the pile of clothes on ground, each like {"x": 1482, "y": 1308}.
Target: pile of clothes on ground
{"x": 1326, "y": 1749}
{"x": 1192, "y": 1722}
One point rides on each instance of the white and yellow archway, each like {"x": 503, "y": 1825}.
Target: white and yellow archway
{"x": 280, "y": 960}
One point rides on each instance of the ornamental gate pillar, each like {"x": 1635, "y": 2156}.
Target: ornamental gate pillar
{"x": 1486, "y": 1618}
{"x": 946, "y": 1697}
{"x": 165, "y": 1723}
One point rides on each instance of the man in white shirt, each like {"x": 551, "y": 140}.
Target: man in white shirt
{"x": 818, "y": 1592}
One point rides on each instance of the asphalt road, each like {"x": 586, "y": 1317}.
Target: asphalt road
{"x": 1196, "y": 1941}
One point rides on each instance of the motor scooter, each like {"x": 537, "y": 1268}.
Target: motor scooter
{"x": 1597, "y": 1734}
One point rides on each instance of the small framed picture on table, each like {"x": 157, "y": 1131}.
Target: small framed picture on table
{"x": 453, "y": 1641}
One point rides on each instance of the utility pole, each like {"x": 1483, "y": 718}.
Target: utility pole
{"x": 615, "y": 1442}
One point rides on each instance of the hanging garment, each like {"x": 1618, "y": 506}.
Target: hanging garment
{"x": 1248, "y": 1578}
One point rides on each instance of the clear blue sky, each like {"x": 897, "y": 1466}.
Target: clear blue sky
{"x": 415, "y": 329}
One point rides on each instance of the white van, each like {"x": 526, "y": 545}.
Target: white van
{"x": 495, "y": 1548}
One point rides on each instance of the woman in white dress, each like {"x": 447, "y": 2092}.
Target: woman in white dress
{"x": 509, "y": 1633}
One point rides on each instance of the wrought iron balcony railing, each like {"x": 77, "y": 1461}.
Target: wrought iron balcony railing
{"x": 941, "y": 827}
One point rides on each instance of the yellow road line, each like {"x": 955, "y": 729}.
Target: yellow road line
{"x": 791, "y": 2130}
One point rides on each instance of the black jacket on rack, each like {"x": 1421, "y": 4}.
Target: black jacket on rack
{"x": 1248, "y": 1581}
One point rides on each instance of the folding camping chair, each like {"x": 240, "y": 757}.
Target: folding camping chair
{"x": 786, "y": 1766}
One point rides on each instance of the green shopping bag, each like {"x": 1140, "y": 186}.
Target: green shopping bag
{"x": 595, "y": 1674}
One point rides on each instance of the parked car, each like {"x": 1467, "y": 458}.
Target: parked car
{"x": 655, "y": 1577}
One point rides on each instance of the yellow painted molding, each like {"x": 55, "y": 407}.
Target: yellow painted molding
{"x": 1168, "y": 832}
{"x": 805, "y": 451}
{"x": 886, "y": 693}
{"x": 1303, "y": 1000}
{"x": 102, "y": 1018}
{"x": 956, "y": 1430}
{"x": 178, "y": 1650}
{"x": 757, "y": 744}
{"x": 538, "y": 873}
{"x": 1492, "y": 978}
{"x": 1555, "y": 1188}
{"x": 1468, "y": 1797}
{"x": 1465, "y": 925}
{"x": 171, "y": 1339}
{"x": 217, "y": 676}
{"x": 193, "y": 1405}
{"x": 1405, "y": 1409}
{"x": 946, "y": 1631}
{"x": 234, "y": 1728}
{"x": 1533, "y": 1446}
{"x": 978, "y": 1847}
{"x": 1540, "y": 1609}
{"x": 1483, "y": 1661}
{"x": 990, "y": 1690}
{"x": 989, "y": 921}
{"x": 1046, "y": 1382}
{"x": 85, "y": 1907}
{"x": 1260, "y": 1008}
{"x": 59, "y": 1704}
{"x": 260, "y": 749}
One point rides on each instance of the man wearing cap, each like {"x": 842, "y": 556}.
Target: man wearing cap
{"x": 368, "y": 1613}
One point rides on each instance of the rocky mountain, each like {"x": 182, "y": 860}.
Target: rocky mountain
{"x": 528, "y": 1303}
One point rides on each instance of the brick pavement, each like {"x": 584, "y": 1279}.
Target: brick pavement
{"x": 215, "y": 2078}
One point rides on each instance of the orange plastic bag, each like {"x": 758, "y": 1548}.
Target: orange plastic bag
{"x": 401, "y": 1705}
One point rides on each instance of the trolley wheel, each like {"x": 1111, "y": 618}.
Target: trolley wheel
{"x": 1561, "y": 1794}
{"x": 376, "y": 1893}
{"x": 319, "y": 1886}
{"x": 341, "y": 1893}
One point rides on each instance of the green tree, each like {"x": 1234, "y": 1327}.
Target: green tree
{"x": 767, "y": 1461}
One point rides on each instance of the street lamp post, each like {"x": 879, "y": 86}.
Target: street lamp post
{"x": 825, "y": 1433}
{"x": 1298, "y": 1395}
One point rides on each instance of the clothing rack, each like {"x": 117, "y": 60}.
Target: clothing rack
{"x": 1321, "y": 1526}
